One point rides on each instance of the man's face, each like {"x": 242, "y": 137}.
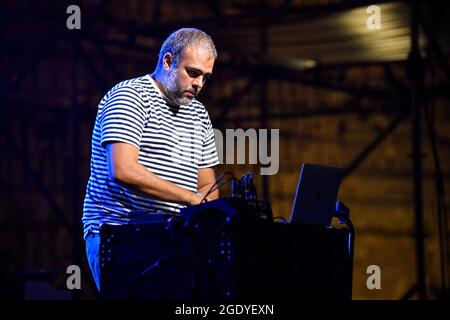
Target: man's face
{"x": 185, "y": 79}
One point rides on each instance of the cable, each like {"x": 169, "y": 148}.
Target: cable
{"x": 206, "y": 260}
{"x": 220, "y": 177}
{"x": 220, "y": 185}
{"x": 170, "y": 228}
{"x": 249, "y": 187}
{"x": 158, "y": 263}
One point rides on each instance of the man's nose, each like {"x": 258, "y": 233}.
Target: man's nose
{"x": 197, "y": 83}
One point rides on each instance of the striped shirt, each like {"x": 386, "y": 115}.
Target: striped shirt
{"x": 173, "y": 142}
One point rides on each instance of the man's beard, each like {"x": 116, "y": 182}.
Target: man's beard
{"x": 173, "y": 92}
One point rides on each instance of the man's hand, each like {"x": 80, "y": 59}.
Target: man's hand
{"x": 123, "y": 168}
{"x": 195, "y": 198}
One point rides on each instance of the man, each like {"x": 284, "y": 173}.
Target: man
{"x": 153, "y": 144}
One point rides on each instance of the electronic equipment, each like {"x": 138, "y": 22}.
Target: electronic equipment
{"x": 230, "y": 207}
{"x": 315, "y": 198}
{"x": 227, "y": 249}
{"x": 212, "y": 261}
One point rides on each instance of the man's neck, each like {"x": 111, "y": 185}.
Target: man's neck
{"x": 156, "y": 77}
{"x": 161, "y": 88}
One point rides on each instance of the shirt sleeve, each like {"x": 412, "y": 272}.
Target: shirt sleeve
{"x": 123, "y": 117}
{"x": 209, "y": 152}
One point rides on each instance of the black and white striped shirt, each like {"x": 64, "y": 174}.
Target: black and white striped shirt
{"x": 173, "y": 142}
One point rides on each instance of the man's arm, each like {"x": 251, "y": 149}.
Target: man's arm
{"x": 206, "y": 178}
{"x": 124, "y": 169}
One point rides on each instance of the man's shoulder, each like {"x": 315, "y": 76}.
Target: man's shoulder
{"x": 139, "y": 85}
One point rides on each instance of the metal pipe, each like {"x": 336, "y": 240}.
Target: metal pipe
{"x": 416, "y": 77}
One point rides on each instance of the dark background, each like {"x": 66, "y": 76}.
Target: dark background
{"x": 340, "y": 94}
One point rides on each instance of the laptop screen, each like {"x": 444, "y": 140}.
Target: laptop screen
{"x": 316, "y": 195}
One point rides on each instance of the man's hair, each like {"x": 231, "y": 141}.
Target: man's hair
{"x": 183, "y": 38}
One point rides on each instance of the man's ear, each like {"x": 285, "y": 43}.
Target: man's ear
{"x": 167, "y": 61}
